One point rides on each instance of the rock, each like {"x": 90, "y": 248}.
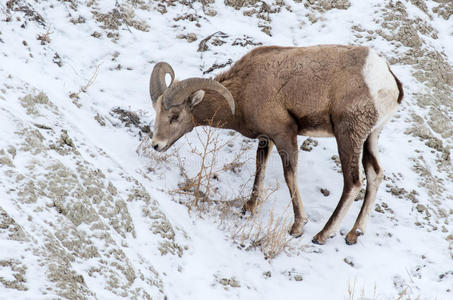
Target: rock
{"x": 309, "y": 144}
{"x": 337, "y": 161}
{"x": 190, "y": 37}
{"x": 325, "y": 192}
{"x": 349, "y": 260}
{"x": 210, "y": 12}
{"x": 230, "y": 282}
{"x": 65, "y": 139}
{"x": 379, "y": 209}
{"x": 12, "y": 150}
{"x": 325, "y": 5}
{"x": 396, "y": 191}
{"x": 420, "y": 208}
{"x": 100, "y": 119}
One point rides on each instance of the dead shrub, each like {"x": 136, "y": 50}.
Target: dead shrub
{"x": 269, "y": 235}
{"x": 266, "y": 231}
{"x": 45, "y": 37}
{"x": 199, "y": 188}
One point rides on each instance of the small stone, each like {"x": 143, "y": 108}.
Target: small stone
{"x": 234, "y": 283}
{"x": 379, "y": 209}
{"x": 211, "y": 12}
{"x": 298, "y": 277}
{"x": 396, "y": 191}
{"x": 12, "y": 150}
{"x": 223, "y": 281}
{"x": 325, "y": 192}
{"x": 230, "y": 281}
{"x": 420, "y": 208}
{"x": 336, "y": 159}
{"x": 309, "y": 144}
{"x": 65, "y": 139}
{"x": 190, "y": 37}
{"x": 349, "y": 260}
{"x": 100, "y": 119}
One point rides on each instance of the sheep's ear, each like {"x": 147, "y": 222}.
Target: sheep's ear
{"x": 196, "y": 98}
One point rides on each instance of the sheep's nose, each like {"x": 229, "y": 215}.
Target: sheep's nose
{"x": 158, "y": 145}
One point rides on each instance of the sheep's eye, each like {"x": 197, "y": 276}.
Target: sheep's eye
{"x": 173, "y": 118}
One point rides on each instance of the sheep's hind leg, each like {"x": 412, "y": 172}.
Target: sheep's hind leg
{"x": 262, "y": 155}
{"x": 374, "y": 176}
{"x": 350, "y": 150}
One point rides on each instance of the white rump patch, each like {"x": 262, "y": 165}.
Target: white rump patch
{"x": 382, "y": 85}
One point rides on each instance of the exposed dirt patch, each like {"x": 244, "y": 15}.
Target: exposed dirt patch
{"x": 9, "y": 229}
{"x": 130, "y": 119}
{"x": 18, "y": 271}
{"x": 33, "y": 103}
{"x": 25, "y": 8}
{"x": 78, "y": 197}
{"x": 122, "y": 15}
{"x": 325, "y": 5}
{"x": 260, "y": 9}
{"x": 444, "y": 8}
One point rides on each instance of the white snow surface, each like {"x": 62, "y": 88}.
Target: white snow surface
{"x": 395, "y": 258}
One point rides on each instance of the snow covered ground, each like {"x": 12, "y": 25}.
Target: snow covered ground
{"x": 83, "y": 216}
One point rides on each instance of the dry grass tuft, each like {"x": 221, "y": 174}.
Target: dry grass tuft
{"x": 269, "y": 236}
{"x": 200, "y": 188}
{"x": 266, "y": 231}
{"x": 353, "y": 293}
{"x": 45, "y": 37}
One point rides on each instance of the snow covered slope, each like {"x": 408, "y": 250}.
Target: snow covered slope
{"x": 83, "y": 216}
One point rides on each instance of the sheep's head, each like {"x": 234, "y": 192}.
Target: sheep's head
{"x": 174, "y": 104}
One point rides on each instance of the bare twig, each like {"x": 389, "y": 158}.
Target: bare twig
{"x": 84, "y": 88}
{"x": 92, "y": 79}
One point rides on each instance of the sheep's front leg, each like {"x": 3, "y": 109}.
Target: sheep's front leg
{"x": 287, "y": 148}
{"x": 262, "y": 154}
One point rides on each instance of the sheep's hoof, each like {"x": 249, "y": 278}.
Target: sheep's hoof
{"x": 351, "y": 237}
{"x": 319, "y": 239}
{"x": 297, "y": 230}
{"x": 249, "y": 206}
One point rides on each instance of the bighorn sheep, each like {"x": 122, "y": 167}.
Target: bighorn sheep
{"x": 276, "y": 93}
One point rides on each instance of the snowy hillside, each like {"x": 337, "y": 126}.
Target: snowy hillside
{"x": 89, "y": 211}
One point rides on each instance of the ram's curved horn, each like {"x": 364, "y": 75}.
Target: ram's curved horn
{"x": 157, "y": 85}
{"x": 183, "y": 89}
